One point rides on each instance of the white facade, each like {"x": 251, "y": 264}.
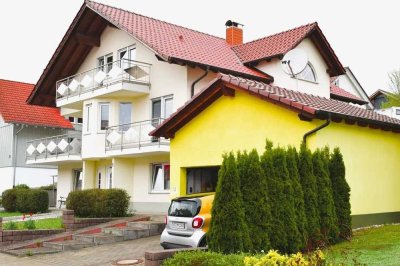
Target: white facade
{"x": 391, "y": 111}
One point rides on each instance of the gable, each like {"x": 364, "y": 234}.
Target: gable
{"x": 281, "y": 79}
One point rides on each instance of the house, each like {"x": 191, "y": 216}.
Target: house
{"x": 124, "y": 74}
{"x": 19, "y": 123}
{"x": 380, "y": 97}
{"x": 347, "y": 88}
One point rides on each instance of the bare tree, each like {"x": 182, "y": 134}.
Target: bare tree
{"x": 394, "y": 86}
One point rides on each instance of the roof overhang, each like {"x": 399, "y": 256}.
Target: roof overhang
{"x": 347, "y": 99}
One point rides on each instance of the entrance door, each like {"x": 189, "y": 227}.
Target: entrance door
{"x": 109, "y": 179}
{"x": 77, "y": 179}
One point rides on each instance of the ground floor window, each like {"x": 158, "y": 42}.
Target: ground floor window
{"x": 77, "y": 179}
{"x": 160, "y": 177}
{"x": 109, "y": 177}
{"x": 201, "y": 180}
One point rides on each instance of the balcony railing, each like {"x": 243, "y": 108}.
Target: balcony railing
{"x": 134, "y": 135}
{"x": 103, "y": 76}
{"x": 54, "y": 147}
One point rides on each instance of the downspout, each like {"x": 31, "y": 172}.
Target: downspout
{"x": 327, "y": 122}
{"x": 16, "y": 153}
{"x": 197, "y": 80}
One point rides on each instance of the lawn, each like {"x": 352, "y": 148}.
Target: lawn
{"x": 50, "y": 223}
{"x": 8, "y": 214}
{"x": 373, "y": 246}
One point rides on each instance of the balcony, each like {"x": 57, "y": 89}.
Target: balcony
{"x": 133, "y": 139}
{"x": 122, "y": 78}
{"x": 52, "y": 150}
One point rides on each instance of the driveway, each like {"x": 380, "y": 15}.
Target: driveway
{"x": 99, "y": 255}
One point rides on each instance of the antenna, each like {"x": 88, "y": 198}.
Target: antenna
{"x": 294, "y": 62}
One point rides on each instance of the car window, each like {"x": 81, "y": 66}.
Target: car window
{"x": 184, "y": 208}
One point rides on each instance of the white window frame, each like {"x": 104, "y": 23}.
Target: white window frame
{"x": 298, "y": 76}
{"x": 104, "y": 58}
{"x": 99, "y": 178}
{"x": 99, "y": 118}
{"x": 127, "y": 48}
{"x": 163, "y": 165}
{"x": 162, "y": 99}
{"x": 119, "y": 115}
{"x": 88, "y": 111}
{"x": 109, "y": 177}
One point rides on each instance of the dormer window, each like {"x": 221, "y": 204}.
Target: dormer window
{"x": 308, "y": 74}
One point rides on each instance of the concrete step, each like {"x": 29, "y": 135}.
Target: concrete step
{"x": 155, "y": 227}
{"x": 98, "y": 239}
{"x": 67, "y": 245}
{"x": 32, "y": 251}
{"x": 128, "y": 233}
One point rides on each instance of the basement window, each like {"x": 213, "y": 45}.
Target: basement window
{"x": 201, "y": 180}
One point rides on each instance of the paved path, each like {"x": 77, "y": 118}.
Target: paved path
{"x": 99, "y": 255}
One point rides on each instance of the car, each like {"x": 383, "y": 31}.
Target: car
{"x": 187, "y": 222}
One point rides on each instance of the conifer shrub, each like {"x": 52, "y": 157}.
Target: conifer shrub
{"x": 301, "y": 220}
{"x": 309, "y": 185}
{"x": 341, "y": 194}
{"x": 254, "y": 190}
{"x": 286, "y": 212}
{"x": 228, "y": 231}
{"x": 326, "y": 204}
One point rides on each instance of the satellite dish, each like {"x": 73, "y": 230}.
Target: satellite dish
{"x": 294, "y": 61}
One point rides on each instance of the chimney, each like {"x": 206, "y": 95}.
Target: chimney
{"x": 234, "y": 33}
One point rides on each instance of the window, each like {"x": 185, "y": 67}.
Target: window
{"x": 125, "y": 115}
{"x": 126, "y": 55}
{"x": 201, "y": 180}
{"x": 76, "y": 120}
{"x": 105, "y": 62}
{"x": 308, "y": 74}
{"x": 397, "y": 111}
{"x": 80, "y": 120}
{"x": 162, "y": 107}
{"x": 160, "y": 177}
{"x": 104, "y": 115}
{"x": 88, "y": 116}
{"x": 98, "y": 179}
{"x": 77, "y": 179}
{"x": 109, "y": 180}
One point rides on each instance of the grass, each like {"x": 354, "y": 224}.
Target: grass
{"x": 373, "y": 246}
{"x": 8, "y": 214}
{"x": 50, "y": 223}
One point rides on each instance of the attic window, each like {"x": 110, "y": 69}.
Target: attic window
{"x": 308, "y": 74}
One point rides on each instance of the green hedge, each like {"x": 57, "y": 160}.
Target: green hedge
{"x": 99, "y": 202}
{"x": 25, "y": 200}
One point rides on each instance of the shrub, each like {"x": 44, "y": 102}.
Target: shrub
{"x": 341, "y": 193}
{"x": 317, "y": 258}
{"x": 11, "y": 225}
{"x": 203, "y": 258}
{"x": 32, "y": 200}
{"x": 228, "y": 231}
{"x": 22, "y": 186}
{"x": 9, "y": 200}
{"x": 30, "y": 224}
{"x": 254, "y": 188}
{"x": 99, "y": 202}
{"x": 309, "y": 186}
{"x": 299, "y": 209}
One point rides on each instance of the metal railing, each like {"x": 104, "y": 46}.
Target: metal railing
{"x": 133, "y": 135}
{"x": 103, "y": 76}
{"x": 54, "y": 147}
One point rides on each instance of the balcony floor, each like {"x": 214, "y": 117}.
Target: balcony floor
{"x": 136, "y": 152}
{"x": 55, "y": 160}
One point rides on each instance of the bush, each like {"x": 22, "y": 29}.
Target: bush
{"x": 22, "y": 186}
{"x": 99, "y": 202}
{"x": 341, "y": 194}
{"x": 9, "y": 200}
{"x": 203, "y": 258}
{"x": 30, "y": 224}
{"x": 228, "y": 231}
{"x": 255, "y": 199}
{"x": 32, "y": 200}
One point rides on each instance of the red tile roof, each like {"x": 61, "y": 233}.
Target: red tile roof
{"x": 176, "y": 42}
{"x": 274, "y": 45}
{"x": 14, "y": 109}
{"x": 341, "y": 94}
{"x": 306, "y": 104}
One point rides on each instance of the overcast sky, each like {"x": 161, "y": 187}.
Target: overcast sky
{"x": 364, "y": 34}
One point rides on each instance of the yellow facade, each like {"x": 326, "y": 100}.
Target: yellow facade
{"x": 243, "y": 122}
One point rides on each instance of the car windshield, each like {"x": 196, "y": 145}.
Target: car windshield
{"x": 183, "y": 208}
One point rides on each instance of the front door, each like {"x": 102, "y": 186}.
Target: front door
{"x": 109, "y": 178}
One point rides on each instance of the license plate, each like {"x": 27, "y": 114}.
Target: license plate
{"x": 178, "y": 226}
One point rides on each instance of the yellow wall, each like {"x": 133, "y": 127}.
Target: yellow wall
{"x": 244, "y": 122}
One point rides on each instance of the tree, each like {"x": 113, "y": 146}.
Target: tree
{"x": 277, "y": 230}
{"x": 286, "y": 212}
{"x": 393, "y": 98}
{"x": 301, "y": 221}
{"x": 254, "y": 190}
{"x": 228, "y": 231}
{"x": 309, "y": 185}
{"x": 326, "y": 204}
{"x": 341, "y": 193}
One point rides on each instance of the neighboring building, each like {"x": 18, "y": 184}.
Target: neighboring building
{"x": 20, "y": 122}
{"x": 124, "y": 73}
{"x": 380, "y": 97}
{"x": 347, "y": 88}
{"x": 234, "y": 114}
